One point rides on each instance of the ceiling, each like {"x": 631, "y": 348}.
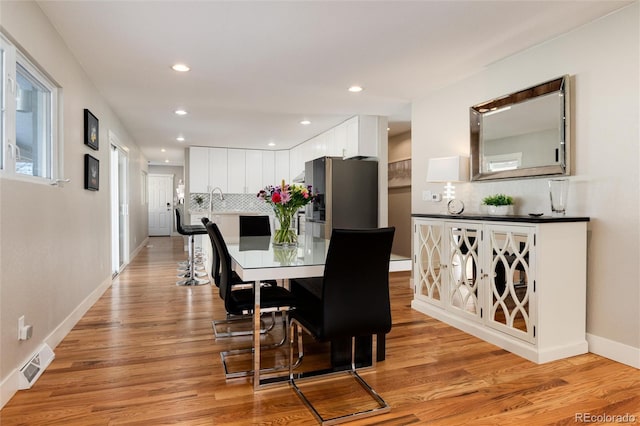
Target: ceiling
{"x": 260, "y": 67}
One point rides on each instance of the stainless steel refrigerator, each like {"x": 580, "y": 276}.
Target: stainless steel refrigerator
{"x": 347, "y": 195}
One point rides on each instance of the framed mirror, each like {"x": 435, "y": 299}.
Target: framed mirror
{"x": 523, "y": 134}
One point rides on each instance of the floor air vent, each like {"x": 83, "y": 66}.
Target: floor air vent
{"x": 30, "y": 372}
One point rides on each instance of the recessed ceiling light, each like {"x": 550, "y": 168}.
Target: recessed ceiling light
{"x": 180, "y": 139}
{"x": 180, "y": 112}
{"x": 180, "y": 68}
{"x": 166, "y": 161}
{"x": 271, "y": 144}
{"x": 355, "y": 89}
{"x": 388, "y": 129}
{"x": 305, "y": 122}
{"x": 163, "y": 150}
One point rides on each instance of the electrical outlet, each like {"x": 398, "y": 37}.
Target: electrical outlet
{"x": 431, "y": 196}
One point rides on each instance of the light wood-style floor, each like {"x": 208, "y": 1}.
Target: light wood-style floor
{"x": 145, "y": 355}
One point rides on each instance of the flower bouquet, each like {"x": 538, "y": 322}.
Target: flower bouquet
{"x": 286, "y": 200}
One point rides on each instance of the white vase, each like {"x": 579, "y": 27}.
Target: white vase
{"x": 499, "y": 210}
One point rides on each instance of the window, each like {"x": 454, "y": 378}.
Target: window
{"x": 29, "y": 118}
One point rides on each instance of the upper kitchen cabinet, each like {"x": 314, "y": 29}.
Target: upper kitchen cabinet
{"x": 253, "y": 171}
{"x": 198, "y": 169}
{"x": 364, "y": 135}
{"x": 268, "y": 169}
{"x": 237, "y": 171}
{"x": 359, "y": 136}
{"x": 282, "y": 166}
{"x": 245, "y": 171}
{"x": 218, "y": 169}
{"x": 207, "y": 169}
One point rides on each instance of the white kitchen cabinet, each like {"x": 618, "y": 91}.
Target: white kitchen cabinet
{"x": 236, "y": 171}
{"x": 296, "y": 161}
{"x": 331, "y": 149}
{"x": 218, "y": 169}
{"x": 207, "y": 169}
{"x": 268, "y": 169}
{"x": 240, "y": 171}
{"x": 282, "y": 166}
{"x": 340, "y": 139}
{"x": 350, "y": 148}
{"x": 253, "y": 171}
{"x": 517, "y": 282}
{"x": 364, "y": 134}
{"x": 198, "y": 169}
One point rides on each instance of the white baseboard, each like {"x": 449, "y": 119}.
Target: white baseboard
{"x": 138, "y": 249}
{"x": 526, "y": 350}
{"x": 613, "y": 350}
{"x": 9, "y": 385}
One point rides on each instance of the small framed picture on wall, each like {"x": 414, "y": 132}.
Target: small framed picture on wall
{"x": 91, "y": 173}
{"x": 91, "y": 133}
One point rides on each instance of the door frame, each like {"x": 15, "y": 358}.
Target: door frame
{"x": 114, "y": 142}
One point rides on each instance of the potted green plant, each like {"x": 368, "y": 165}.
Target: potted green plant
{"x": 199, "y": 199}
{"x": 498, "y": 204}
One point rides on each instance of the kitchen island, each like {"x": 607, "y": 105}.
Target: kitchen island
{"x": 229, "y": 223}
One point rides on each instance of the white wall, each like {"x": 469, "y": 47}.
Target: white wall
{"x": 55, "y": 241}
{"x": 603, "y": 60}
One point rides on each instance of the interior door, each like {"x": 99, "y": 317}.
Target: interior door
{"x": 160, "y": 205}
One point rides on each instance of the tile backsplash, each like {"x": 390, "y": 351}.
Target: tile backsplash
{"x": 231, "y": 202}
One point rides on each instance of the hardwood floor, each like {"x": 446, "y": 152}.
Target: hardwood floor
{"x": 144, "y": 354}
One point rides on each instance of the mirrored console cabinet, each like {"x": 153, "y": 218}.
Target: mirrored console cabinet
{"x": 515, "y": 281}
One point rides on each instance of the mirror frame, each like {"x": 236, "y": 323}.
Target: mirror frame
{"x": 560, "y": 85}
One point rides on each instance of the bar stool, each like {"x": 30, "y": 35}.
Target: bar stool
{"x": 190, "y": 231}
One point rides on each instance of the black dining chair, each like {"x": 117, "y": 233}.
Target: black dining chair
{"x": 254, "y": 226}
{"x": 215, "y": 259}
{"x": 191, "y": 276}
{"x": 239, "y": 302}
{"x": 236, "y": 281}
{"x": 215, "y": 264}
{"x": 353, "y": 303}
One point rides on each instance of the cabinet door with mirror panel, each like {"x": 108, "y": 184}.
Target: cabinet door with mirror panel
{"x": 463, "y": 284}
{"x": 428, "y": 269}
{"x": 510, "y": 292}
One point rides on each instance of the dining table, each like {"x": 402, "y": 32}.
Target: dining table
{"x": 258, "y": 259}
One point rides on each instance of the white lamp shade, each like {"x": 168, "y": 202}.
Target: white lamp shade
{"x": 448, "y": 169}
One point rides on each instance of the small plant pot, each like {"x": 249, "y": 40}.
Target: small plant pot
{"x": 499, "y": 210}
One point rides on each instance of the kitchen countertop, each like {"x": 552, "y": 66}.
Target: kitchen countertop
{"x": 223, "y": 212}
{"x": 505, "y": 218}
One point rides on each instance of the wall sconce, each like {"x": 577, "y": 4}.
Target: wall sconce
{"x": 448, "y": 169}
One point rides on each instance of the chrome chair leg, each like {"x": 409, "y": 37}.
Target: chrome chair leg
{"x": 187, "y": 274}
{"x": 236, "y": 319}
{"x": 192, "y": 280}
{"x": 246, "y": 373}
{"x": 382, "y": 408}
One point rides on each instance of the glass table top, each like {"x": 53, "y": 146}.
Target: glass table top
{"x": 259, "y": 253}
